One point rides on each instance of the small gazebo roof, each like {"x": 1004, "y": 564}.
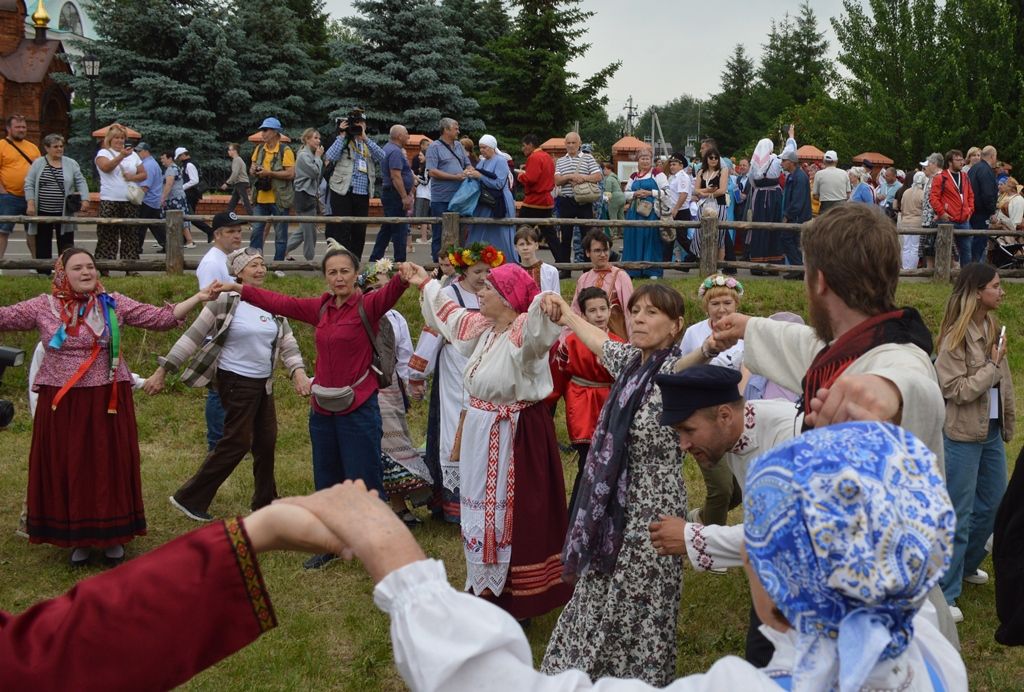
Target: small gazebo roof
{"x": 874, "y": 157}
{"x": 629, "y": 143}
{"x": 102, "y": 132}
{"x": 809, "y": 152}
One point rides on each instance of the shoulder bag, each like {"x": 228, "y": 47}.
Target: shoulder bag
{"x": 585, "y": 193}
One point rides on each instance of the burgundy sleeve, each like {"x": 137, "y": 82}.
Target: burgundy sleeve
{"x": 152, "y": 623}
{"x": 301, "y": 309}
{"x": 378, "y": 302}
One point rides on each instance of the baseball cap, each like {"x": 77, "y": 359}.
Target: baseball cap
{"x": 831, "y": 155}
{"x": 179, "y": 151}
{"x": 790, "y": 156}
{"x": 271, "y": 124}
{"x": 142, "y": 146}
{"x": 225, "y": 218}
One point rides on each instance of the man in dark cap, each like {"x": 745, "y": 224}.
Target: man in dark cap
{"x": 716, "y": 426}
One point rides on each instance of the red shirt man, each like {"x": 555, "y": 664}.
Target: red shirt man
{"x": 538, "y": 180}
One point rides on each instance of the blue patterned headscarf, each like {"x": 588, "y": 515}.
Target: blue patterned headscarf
{"x": 848, "y": 528}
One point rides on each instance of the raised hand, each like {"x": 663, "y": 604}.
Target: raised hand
{"x": 413, "y": 273}
{"x": 285, "y": 526}
{"x": 729, "y": 329}
{"x": 553, "y": 305}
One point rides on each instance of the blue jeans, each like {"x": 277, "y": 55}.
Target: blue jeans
{"x": 964, "y": 243}
{"x": 280, "y": 230}
{"x": 397, "y": 232}
{"x": 976, "y": 481}
{"x": 11, "y": 205}
{"x": 347, "y": 447}
{"x": 214, "y": 419}
{"x": 437, "y": 209}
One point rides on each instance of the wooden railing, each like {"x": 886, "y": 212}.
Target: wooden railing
{"x": 455, "y": 227}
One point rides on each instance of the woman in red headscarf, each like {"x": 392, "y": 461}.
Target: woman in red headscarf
{"x": 513, "y": 511}
{"x": 86, "y": 493}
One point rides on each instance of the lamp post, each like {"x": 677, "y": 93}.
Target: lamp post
{"x": 91, "y": 67}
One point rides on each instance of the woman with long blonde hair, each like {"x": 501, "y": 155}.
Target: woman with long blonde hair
{"x": 975, "y": 379}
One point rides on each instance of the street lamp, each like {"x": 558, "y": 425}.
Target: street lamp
{"x": 91, "y": 67}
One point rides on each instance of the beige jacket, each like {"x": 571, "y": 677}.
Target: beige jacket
{"x": 966, "y": 375}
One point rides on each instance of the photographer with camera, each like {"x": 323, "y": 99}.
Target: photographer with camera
{"x": 273, "y": 168}
{"x": 355, "y": 157}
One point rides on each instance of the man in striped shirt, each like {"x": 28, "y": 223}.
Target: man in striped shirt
{"x": 574, "y": 168}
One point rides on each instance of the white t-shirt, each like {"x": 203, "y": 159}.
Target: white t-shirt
{"x": 213, "y": 267}
{"x": 249, "y": 345}
{"x": 694, "y": 338}
{"x": 423, "y": 191}
{"x": 677, "y": 185}
{"x": 113, "y": 186}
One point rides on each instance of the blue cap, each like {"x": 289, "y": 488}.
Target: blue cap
{"x": 271, "y": 124}
{"x": 686, "y": 392}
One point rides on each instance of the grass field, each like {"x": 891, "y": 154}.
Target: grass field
{"x": 330, "y": 634}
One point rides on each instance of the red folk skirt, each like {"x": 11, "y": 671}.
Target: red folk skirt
{"x": 539, "y": 521}
{"x": 84, "y": 484}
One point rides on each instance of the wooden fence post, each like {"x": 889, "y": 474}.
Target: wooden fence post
{"x": 175, "y": 256}
{"x": 708, "y": 245}
{"x": 943, "y": 253}
{"x": 450, "y": 235}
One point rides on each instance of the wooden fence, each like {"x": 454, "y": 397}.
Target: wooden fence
{"x": 454, "y": 228}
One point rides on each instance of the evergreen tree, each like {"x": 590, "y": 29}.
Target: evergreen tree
{"x": 405, "y": 67}
{"x": 729, "y": 113}
{"x": 281, "y": 77}
{"x": 533, "y": 89}
{"x": 171, "y": 77}
{"x": 477, "y": 23}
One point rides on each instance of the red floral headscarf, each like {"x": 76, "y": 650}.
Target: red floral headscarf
{"x": 71, "y": 305}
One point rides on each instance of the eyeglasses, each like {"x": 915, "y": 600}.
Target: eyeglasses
{"x": 712, "y": 158}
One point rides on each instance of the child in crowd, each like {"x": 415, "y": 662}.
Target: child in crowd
{"x": 612, "y": 280}
{"x": 527, "y": 244}
{"x": 583, "y": 381}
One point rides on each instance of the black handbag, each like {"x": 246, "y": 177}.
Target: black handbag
{"x": 73, "y": 203}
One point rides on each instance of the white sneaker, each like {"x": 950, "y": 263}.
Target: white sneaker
{"x": 717, "y": 570}
{"x": 979, "y": 577}
{"x": 956, "y": 614}
{"x": 693, "y": 516}
{"x": 280, "y": 274}
{"x": 190, "y": 246}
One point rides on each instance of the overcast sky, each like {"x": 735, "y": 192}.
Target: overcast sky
{"x": 657, "y": 69}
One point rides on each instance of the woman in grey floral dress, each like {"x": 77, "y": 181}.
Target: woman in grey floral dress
{"x": 621, "y": 621}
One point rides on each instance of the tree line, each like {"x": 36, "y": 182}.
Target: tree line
{"x": 200, "y": 73}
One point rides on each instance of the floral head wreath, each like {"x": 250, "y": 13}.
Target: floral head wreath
{"x": 383, "y": 266}
{"x": 720, "y": 281}
{"x": 464, "y": 258}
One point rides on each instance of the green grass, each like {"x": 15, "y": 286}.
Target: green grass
{"x": 330, "y": 635}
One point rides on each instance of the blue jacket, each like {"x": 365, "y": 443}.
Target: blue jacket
{"x": 796, "y": 197}
{"x": 986, "y": 193}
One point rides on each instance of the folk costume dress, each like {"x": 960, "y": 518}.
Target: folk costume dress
{"x": 765, "y": 200}
{"x": 513, "y": 512}
{"x": 84, "y": 484}
{"x": 643, "y": 244}
{"x": 448, "y": 399}
{"x": 621, "y": 621}
{"x": 619, "y": 287}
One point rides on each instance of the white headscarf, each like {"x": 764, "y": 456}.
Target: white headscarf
{"x": 490, "y": 141}
{"x": 762, "y": 158}
{"x": 919, "y": 179}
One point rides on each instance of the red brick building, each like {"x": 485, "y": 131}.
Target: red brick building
{"x": 27, "y": 66}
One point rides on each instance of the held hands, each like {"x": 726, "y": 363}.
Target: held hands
{"x": 209, "y": 293}
{"x": 154, "y": 384}
{"x": 413, "y": 273}
{"x": 555, "y": 308}
{"x": 855, "y": 397}
{"x": 729, "y": 329}
{"x": 667, "y": 535}
{"x": 302, "y": 384}
{"x": 219, "y": 287}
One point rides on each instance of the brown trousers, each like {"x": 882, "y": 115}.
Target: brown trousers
{"x": 250, "y": 423}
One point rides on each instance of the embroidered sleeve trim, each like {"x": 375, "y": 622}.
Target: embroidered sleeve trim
{"x": 418, "y": 363}
{"x": 473, "y": 325}
{"x": 252, "y": 578}
{"x": 704, "y": 561}
{"x": 515, "y": 334}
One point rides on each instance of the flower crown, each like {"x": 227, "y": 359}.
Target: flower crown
{"x": 720, "y": 281}
{"x": 382, "y": 266}
{"x": 464, "y": 258}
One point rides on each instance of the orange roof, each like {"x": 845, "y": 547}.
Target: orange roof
{"x": 629, "y": 143}
{"x": 874, "y": 157}
{"x": 102, "y": 132}
{"x": 258, "y": 137}
{"x": 414, "y": 140}
{"x": 809, "y": 152}
{"x": 554, "y": 143}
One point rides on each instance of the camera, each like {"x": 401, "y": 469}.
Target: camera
{"x": 353, "y": 122}
{"x": 8, "y": 357}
